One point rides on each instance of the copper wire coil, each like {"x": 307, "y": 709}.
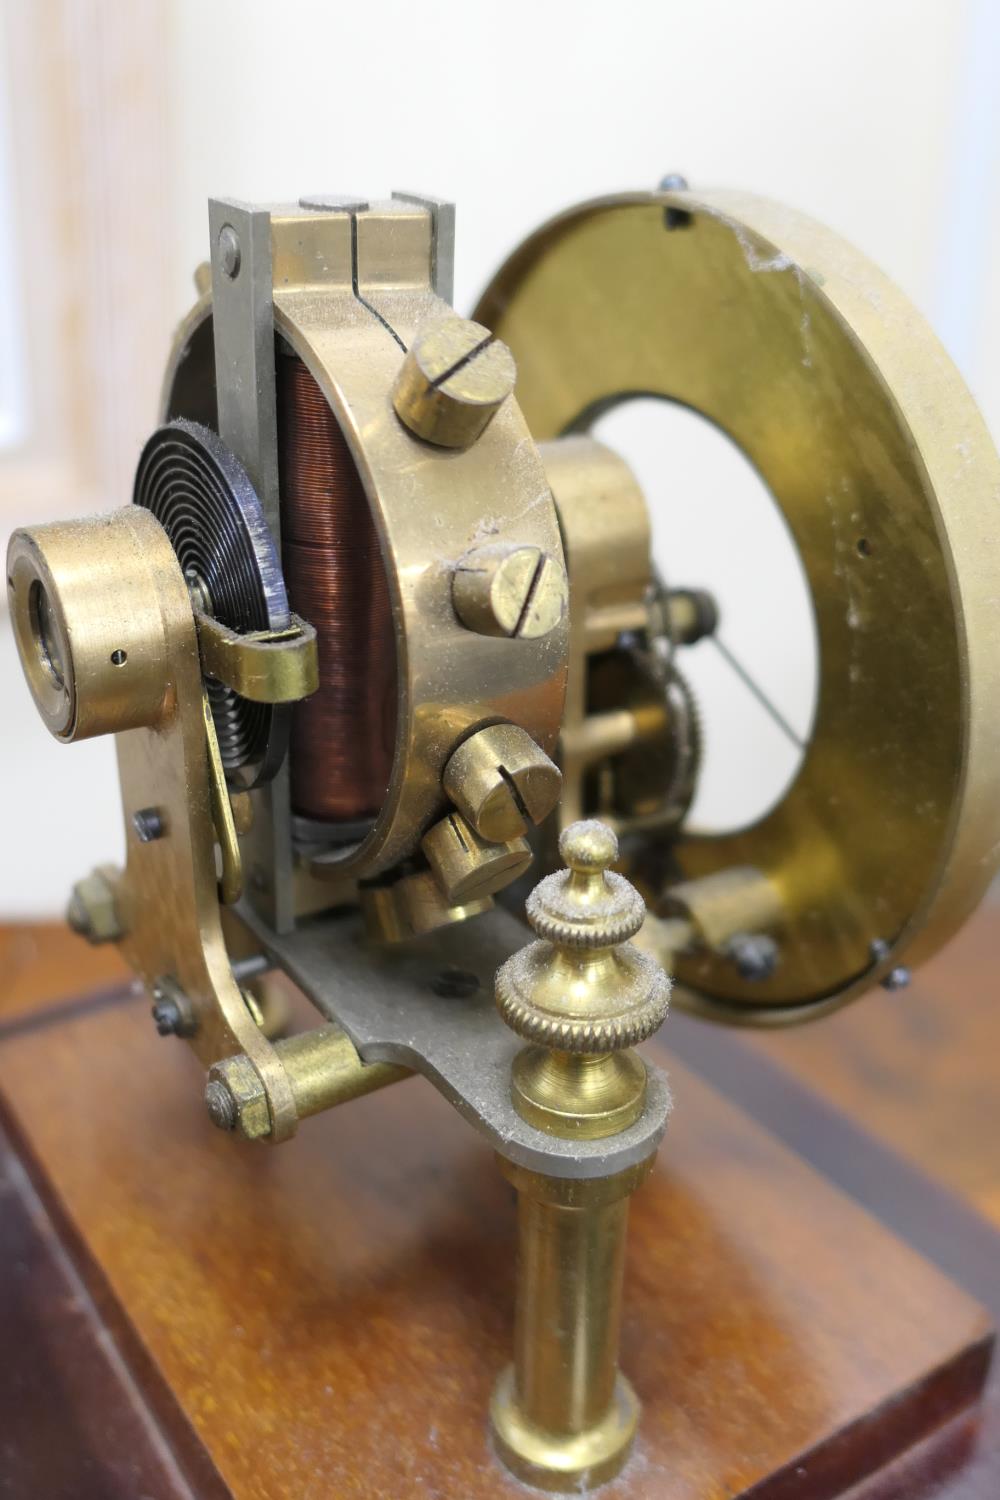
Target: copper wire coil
{"x": 343, "y": 736}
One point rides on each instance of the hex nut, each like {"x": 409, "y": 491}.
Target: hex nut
{"x": 452, "y": 382}
{"x": 242, "y": 1083}
{"x": 93, "y": 909}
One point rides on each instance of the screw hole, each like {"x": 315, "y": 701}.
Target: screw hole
{"x": 119, "y": 657}
{"x": 455, "y": 984}
{"x": 864, "y": 547}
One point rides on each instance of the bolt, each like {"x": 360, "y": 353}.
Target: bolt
{"x": 675, "y": 218}
{"x": 501, "y": 782}
{"x": 693, "y": 614}
{"x": 453, "y": 381}
{"x": 148, "y": 824}
{"x": 236, "y": 1099}
{"x": 167, "y": 1017}
{"x": 510, "y": 591}
{"x": 230, "y": 254}
{"x": 222, "y": 1107}
{"x": 897, "y": 978}
{"x": 755, "y": 955}
{"x": 172, "y": 1011}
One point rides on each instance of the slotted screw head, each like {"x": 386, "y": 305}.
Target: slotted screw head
{"x": 453, "y": 381}
{"x": 501, "y": 781}
{"x": 511, "y": 591}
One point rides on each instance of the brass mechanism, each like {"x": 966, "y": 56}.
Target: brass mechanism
{"x": 564, "y": 1418}
{"x": 383, "y": 621}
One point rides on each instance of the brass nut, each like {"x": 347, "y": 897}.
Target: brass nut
{"x": 93, "y": 909}
{"x": 453, "y": 381}
{"x": 468, "y": 867}
{"x": 501, "y": 782}
{"x": 236, "y": 1098}
{"x": 510, "y": 591}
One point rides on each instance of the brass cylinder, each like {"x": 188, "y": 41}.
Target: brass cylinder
{"x": 563, "y": 1415}
{"x": 89, "y": 628}
{"x": 324, "y": 1070}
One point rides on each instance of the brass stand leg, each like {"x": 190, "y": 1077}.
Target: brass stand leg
{"x": 563, "y": 1416}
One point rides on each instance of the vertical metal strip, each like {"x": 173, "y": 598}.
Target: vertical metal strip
{"x": 243, "y": 322}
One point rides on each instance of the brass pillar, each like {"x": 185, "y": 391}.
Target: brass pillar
{"x": 563, "y": 1415}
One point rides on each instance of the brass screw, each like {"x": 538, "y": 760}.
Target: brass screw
{"x": 501, "y": 782}
{"x": 510, "y": 591}
{"x": 467, "y": 867}
{"x": 453, "y": 381}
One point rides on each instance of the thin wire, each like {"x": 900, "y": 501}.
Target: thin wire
{"x": 758, "y": 692}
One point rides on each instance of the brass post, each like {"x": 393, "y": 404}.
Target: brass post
{"x": 563, "y": 1415}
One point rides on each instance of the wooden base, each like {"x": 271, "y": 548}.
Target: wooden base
{"x": 328, "y": 1317}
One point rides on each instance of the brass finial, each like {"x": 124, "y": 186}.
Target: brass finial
{"x": 582, "y": 994}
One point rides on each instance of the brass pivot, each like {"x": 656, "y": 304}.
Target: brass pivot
{"x": 563, "y": 1415}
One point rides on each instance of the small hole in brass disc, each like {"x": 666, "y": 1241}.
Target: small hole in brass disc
{"x": 119, "y": 658}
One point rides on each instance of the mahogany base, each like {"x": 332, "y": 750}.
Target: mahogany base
{"x": 192, "y": 1316}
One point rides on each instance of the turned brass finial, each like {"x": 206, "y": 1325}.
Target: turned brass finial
{"x": 582, "y": 994}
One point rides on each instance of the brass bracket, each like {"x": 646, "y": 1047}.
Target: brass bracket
{"x": 266, "y": 666}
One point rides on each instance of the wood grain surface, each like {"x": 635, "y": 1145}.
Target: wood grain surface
{"x": 327, "y": 1318}
{"x": 919, "y": 1067}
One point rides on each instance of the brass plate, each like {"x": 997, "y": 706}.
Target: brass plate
{"x": 833, "y": 386}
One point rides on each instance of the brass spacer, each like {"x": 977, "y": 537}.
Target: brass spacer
{"x": 453, "y": 381}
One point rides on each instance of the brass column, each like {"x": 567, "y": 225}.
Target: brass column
{"x": 563, "y": 1415}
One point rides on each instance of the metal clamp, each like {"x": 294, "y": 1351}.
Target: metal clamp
{"x": 266, "y": 666}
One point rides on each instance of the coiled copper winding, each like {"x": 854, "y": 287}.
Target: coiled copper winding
{"x": 343, "y": 736}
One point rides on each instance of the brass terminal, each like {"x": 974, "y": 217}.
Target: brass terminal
{"x": 563, "y": 1415}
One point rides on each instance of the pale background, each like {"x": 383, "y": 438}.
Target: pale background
{"x": 879, "y": 117}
